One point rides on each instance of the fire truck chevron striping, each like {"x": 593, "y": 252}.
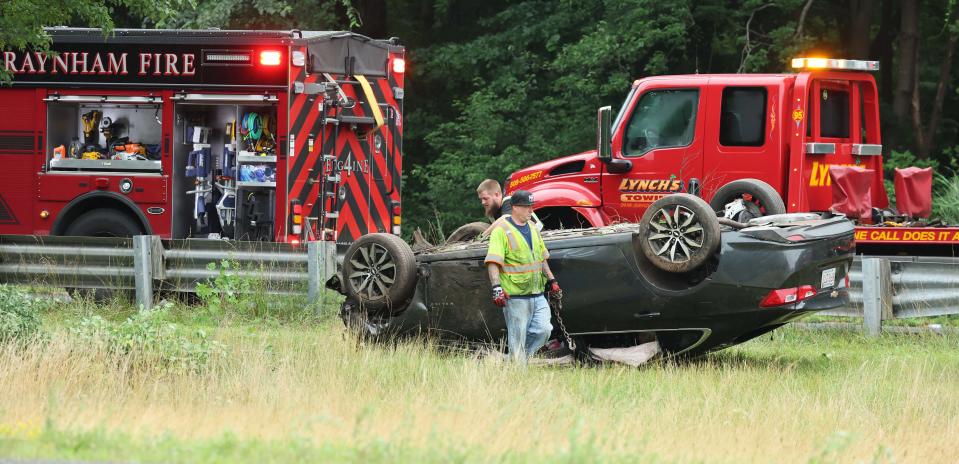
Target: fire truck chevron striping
{"x": 257, "y": 135}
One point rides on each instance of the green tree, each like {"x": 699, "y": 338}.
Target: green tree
{"x": 22, "y": 21}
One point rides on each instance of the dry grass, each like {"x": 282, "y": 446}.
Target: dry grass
{"x": 798, "y": 397}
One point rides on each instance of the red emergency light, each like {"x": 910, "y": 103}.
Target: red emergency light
{"x": 270, "y": 58}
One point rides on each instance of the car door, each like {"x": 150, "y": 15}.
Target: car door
{"x": 661, "y": 135}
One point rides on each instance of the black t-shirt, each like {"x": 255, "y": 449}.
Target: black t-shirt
{"x": 507, "y": 206}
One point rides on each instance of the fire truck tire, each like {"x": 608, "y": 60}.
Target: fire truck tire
{"x": 679, "y": 233}
{"x": 379, "y": 273}
{"x": 104, "y": 222}
{"x": 761, "y": 199}
{"x": 468, "y": 232}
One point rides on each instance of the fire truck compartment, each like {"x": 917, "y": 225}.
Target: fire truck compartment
{"x": 104, "y": 134}
{"x": 239, "y": 139}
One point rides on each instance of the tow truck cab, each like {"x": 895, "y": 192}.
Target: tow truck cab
{"x": 698, "y": 133}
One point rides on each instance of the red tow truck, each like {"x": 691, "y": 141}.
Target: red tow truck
{"x": 769, "y": 140}
{"x": 283, "y": 136}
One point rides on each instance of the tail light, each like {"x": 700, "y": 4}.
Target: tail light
{"x": 297, "y": 218}
{"x": 399, "y": 65}
{"x": 784, "y": 296}
{"x": 397, "y": 217}
{"x": 270, "y": 58}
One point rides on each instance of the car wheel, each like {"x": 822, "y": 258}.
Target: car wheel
{"x": 679, "y": 232}
{"x": 759, "y": 198}
{"x": 379, "y": 272}
{"x": 468, "y": 232}
{"x": 103, "y": 222}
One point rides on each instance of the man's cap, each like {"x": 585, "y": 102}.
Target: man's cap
{"x": 521, "y": 198}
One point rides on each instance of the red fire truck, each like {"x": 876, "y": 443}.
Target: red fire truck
{"x": 252, "y": 135}
{"x": 758, "y": 138}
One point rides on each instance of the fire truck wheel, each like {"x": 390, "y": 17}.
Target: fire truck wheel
{"x": 104, "y": 222}
{"x": 379, "y": 273}
{"x": 468, "y": 232}
{"x": 679, "y": 233}
{"x": 760, "y": 199}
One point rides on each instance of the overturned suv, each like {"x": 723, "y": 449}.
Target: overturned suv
{"x": 682, "y": 277}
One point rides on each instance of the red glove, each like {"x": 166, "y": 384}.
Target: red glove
{"x": 552, "y": 288}
{"x": 499, "y": 296}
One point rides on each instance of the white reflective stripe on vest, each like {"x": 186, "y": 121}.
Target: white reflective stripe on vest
{"x": 510, "y": 236}
{"x": 523, "y": 268}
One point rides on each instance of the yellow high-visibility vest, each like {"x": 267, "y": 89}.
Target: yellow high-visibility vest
{"x": 521, "y": 267}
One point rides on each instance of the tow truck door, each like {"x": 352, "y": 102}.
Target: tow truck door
{"x": 842, "y": 129}
{"x": 661, "y": 134}
{"x": 742, "y": 127}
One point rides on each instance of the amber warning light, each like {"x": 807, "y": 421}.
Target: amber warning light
{"x": 270, "y": 58}
{"x": 830, "y": 63}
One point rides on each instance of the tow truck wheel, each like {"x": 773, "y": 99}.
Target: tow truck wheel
{"x": 759, "y": 199}
{"x": 679, "y": 232}
{"x": 468, "y": 232}
{"x": 379, "y": 273}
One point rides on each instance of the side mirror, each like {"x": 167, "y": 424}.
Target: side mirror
{"x": 604, "y": 143}
{"x": 604, "y": 136}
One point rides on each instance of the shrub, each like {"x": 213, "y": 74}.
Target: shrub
{"x": 232, "y": 294}
{"x": 228, "y": 291}
{"x": 150, "y": 339}
{"x": 19, "y": 317}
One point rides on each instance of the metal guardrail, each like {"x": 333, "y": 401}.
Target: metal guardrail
{"x": 881, "y": 287}
{"x": 145, "y": 263}
{"x": 896, "y": 287}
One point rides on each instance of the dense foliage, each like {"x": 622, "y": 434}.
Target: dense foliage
{"x": 501, "y": 84}
{"x": 19, "y": 314}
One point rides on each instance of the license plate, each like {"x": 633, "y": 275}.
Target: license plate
{"x": 828, "y": 278}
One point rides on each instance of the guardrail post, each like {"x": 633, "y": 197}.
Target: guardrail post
{"x": 321, "y": 264}
{"x": 143, "y": 270}
{"x": 876, "y": 293}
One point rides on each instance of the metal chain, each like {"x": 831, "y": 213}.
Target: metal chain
{"x": 557, "y": 305}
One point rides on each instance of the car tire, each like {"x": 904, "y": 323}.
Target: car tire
{"x": 468, "y": 232}
{"x": 679, "y": 233}
{"x": 103, "y": 222}
{"x": 761, "y": 199}
{"x": 379, "y": 273}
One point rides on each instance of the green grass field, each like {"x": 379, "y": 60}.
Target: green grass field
{"x": 211, "y": 385}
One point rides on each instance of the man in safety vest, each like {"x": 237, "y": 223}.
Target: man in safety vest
{"x": 491, "y": 197}
{"x": 519, "y": 273}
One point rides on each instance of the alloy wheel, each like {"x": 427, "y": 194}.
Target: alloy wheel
{"x": 374, "y": 271}
{"x": 675, "y": 233}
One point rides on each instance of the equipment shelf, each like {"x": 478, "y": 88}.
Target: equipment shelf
{"x": 254, "y": 184}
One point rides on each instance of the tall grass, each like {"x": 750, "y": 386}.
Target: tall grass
{"x": 797, "y": 397}
{"x": 945, "y": 202}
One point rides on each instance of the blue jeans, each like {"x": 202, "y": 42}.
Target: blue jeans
{"x": 527, "y": 326}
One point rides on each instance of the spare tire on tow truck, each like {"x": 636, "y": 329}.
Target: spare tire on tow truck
{"x": 379, "y": 273}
